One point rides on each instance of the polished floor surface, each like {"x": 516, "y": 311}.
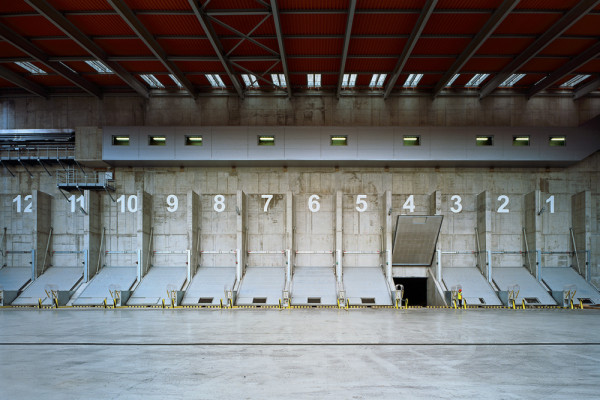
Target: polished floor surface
{"x": 301, "y": 353}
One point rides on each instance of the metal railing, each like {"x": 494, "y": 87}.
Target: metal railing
{"x": 43, "y": 152}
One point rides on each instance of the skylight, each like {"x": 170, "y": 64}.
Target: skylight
{"x": 99, "y": 67}
{"x": 279, "y": 80}
{"x": 574, "y": 81}
{"x": 349, "y": 80}
{"x": 412, "y": 80}
{"x": 250, "y": 81}
{"x": 451, "y": 81}
{"x": 476, "y": 80}
{"x": 152, "y": 81}
{"x": 511, "y": 80}
{"x": 174, "y": 79}
{"x": 314, "y": 80}
{"x": 216, "y": 81}
{"x": 377, "y": 80}
{"x": 31, "y": 68}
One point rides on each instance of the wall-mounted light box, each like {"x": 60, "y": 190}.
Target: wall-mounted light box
{"x": 411, "y": 140}
{"x": 557, "y": 141}
{"x": 520, "y": 141}
{"x": 485, "y": 140}
{"x": 193, "y": 140}
{"x": 157, "y": 140}
{"x": 338, "y": 140}
{"x": 266, "y": 140}
{"x": 120, "y": 140}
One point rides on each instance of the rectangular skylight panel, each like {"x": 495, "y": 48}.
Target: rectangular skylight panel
{"x": 381, "y": 79}
{"x": 476, "y": 80}
{"x": 314, "y": 80}
{"x": 574, "y": 81}
{"x": 174, "y": 79}
{"x": 275, "y": 79}
{"x": 451, "y": 81}
{"x": 279, "y": 80}
{"x": 345, "y": 80}
{"x": 250, "y": 80}
{"x": 511, "y": 80}
{"x": 99, "y": 67}
{"x": 413, "y": 80}
{"x": 215, "y": 80}
{"x": 152, "y": 81}
{"x": 374, "y": 79}
{"x": 31, "y": 68}
{"x": 352, "y": 81}
{"x": 349, "y": 80}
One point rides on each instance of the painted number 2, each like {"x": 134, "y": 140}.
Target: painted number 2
{"x": 28, "y": 207}
{"x": 502, "y": 208}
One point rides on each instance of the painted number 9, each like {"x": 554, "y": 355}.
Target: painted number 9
{"x": 219, "y": 203}
{"x": 172, "y": 202}
{"x": 313, "y": 204}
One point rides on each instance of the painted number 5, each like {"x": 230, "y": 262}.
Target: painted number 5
{"x": 362, "y": 204}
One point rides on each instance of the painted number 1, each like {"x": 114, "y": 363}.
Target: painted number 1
{"x": 551, "y": 202}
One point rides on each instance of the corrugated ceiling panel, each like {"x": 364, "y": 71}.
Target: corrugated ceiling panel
{"x": 35, "y": 25}
{"x": 486, "y": 65}
{"x": 5, "y": 83}
{"x": 200, "y": 66}
{"x": 370, "y": 65}
{"x": 314, "y": 46}
{"x": 391, "y": 5}
{"x": 468, "y": 4}
{"x": 105, "y": 80}
{"x": 244, "y": 24}
{"x": 61, "y": 47}
{"x": 430, "y": 79}
{"x": 440, "y": 46}
{"x": 592, "y": 67}
{"x": 313, "y": 4}
{"x": 101, "y": 24}
{"x": 50, "y": 80}
{"x": 248, "y": 48}
{"x": 383, "y": 24}
{"x": 257, "y": 67}
{"x": 317, "y": 65}
{"x": 14, "y": 7}
{"x": 588, "y": 25}
{"x": 546, "y": 4}
{"x": 172, "y": 5}
{"x": 461, "y": 24}
{"x": 187, "y": 47}
{"x": 172, "y": 24}
{"x": 504, "y": 46}
{"x": 124, "y": 47}
{"x": 143, "y": 66}
{"x": 80, "y": 5}
{"x": 378, "y": 46}
{"x": 233, "y": 4}
{"x": 542, "y": 65}
{"x": 303, "y": 24}
{"x": 527, "y": 23}
{"x": 8, "y": 50}
{"x": 567, "y": 47}
{"x": 428, "y": 64}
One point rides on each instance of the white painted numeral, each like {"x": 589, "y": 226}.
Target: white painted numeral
{"x": 73, "y": 201}
{"x": 313, "y": 204}
{"x": 172, "y": 203}
{"x": 132, "y": 203}
{"x": 409, "y": 204}
{"x": 551, "y": 201}
{"x": 502, "y": 208}
{"x": 362, "y": 204}
{"x": 28, "y": 207}
{"x": 269, "y": 197}
{"x": 219, "y": 203}
{"x": 457, "y": 207}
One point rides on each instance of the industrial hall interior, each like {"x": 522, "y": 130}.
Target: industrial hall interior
{"x": 314, "y": 188}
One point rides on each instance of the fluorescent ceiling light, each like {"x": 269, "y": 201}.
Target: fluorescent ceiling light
{"x": 574, "y": 81}
{"x": 152, "y": 81}
{"x": 266, "y": 140}
{"x": 279, "y": 80}
{"x": 476, "y": 80}
{"x": 193, "y": 140}
{"x": 250, "y": 81}
{"x": 99, "y": 67}
{"x": 412, "y": 80}
{"x": 511, "y": 80}
{"x": 557, "y": 139}
{"x": 215, "y": 80}
{"x": 451, "y": 81}
{"x": 31, "y": 68}
{"x": 314, "y": 80}
{"x": 174, "y": 79}
{"x": 121, "y": 138}
{"x": 522, "y": 138}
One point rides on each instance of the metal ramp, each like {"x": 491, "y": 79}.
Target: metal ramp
{"x": 62, "y": 279}
{"x": 476, "y": 289}
{"x": 208, "y": 286}
{"x": 530, "y": 289}
{"x": 313, "y": 286}
{"x": 261, "y": 286}
{"x": 366, "y": 286}
{"x": 12, "y": 281}
{"x": 120, "y": 278}
{"x": 157, "y": 285}
{"x": 556, "y": 278}
{"x": 415, "y": 238}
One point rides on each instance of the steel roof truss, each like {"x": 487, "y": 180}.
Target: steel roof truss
{"x": 249, "y": 33}
{"x": 23, "y": 82}
{"x": 282, "y": 54}
{"x": 587, "y": 88}
{"x": 224, "y": 25}
{"x": 347, "y": 36}
{"x": 260, "y": 77}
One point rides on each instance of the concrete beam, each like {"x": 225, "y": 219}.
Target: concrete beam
{"x": 339, "y": 229}
{"x": 242, "y": 233}
{"x": 581, "y": 223}
{"x": 193, "y": 229}
{"x": 144, "y": 228}
{"x": 533, "y": 240}
{"x": 484, "y": 232}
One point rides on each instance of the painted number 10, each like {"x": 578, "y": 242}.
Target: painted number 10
{"x": 132, "y": 203}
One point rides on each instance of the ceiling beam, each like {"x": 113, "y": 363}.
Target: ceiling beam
{"x": 580, "y": 10}
{"x": 410, "y": 44}
{"x": 216, "y": 44}
{"x": 33, "y": 51}
{"x": 587, "y": 88}
{"x": 490, "y": 26}
{"x": 281, "y": 45}
{"x": 23, "y": 82}
{"x": 347, "y": 36}
{"x": 145, "y": 36}
{"x": 62, "y": 23}
{"x": 589, "y": 54}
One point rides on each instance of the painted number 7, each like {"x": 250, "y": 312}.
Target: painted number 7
{"x": 269, "y": 197}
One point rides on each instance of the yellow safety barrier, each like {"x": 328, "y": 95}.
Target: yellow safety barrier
{"x": 105, "y": 303}
{"x": 39, "y": 303}
{"x": 523, "y": 301}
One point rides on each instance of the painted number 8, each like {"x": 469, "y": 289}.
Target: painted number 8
{"x": 219, "y": 203}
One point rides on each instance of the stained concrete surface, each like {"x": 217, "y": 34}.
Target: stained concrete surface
{"x": 304, "y": 353}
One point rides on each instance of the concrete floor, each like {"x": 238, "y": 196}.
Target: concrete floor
{"x": 263, "y": 354}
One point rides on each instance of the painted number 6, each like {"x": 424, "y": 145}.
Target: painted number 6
{"x": 313, "y": 204}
